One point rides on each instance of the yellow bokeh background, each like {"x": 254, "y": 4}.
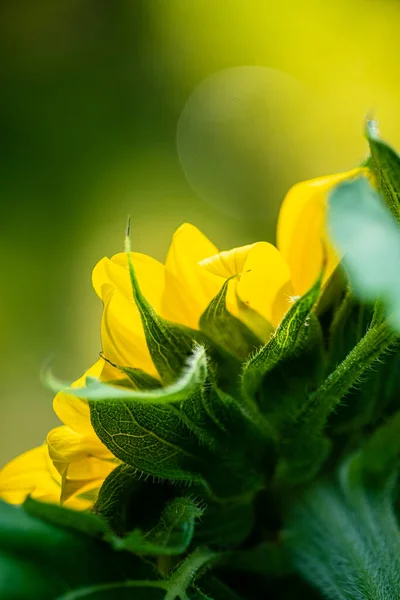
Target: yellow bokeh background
{"x": 93, "y": 95}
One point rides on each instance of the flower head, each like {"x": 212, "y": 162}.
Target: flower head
{"x": 261, "y": 283}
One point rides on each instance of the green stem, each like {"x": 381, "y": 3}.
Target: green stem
{"x": 85, "y": 592}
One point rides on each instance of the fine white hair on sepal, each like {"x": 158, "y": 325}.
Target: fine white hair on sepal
{"x": 372, "y": 126}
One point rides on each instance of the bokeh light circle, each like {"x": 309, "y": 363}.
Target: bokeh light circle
{"x": 242, "y": 139}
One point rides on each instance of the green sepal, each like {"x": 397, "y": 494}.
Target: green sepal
{"x": 192, "y": 377}
{"x": 260, "y": 327}
{"x": 385, "y": 164}
{"x": 169, "y": 344}
{"x": 140, "y": 379}
{"x": 171, "y": 536}
{"x": 350, "y": 323}
{"x": 150, "y": 438}
{"x": 304, "y": 446}
{"x": 283, "y": 343}
{"x": 321, "y": 403}
{"x": 287, "y": 386}
{"x": 225, "y": 330}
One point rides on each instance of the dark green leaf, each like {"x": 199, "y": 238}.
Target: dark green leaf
{"x": 41, "y": 560}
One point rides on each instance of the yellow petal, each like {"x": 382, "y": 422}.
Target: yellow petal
{"x": 122, "y": 334}
{"x": 302, "y": 236}
{"x": 86, "y": 475}
{"x": 67, "y": 446}
{"x": 82, "y": 462}
{"x": 229, "y": 262}
{"x": 115, "y": 271}
{"x": 188, "y": 287}
{"x": 73, "y": 411}
{"x": 31, "y": 473}
{"x": 265, "y": 284}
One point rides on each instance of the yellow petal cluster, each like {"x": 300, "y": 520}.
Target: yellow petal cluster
{"x": 72, "y": 465}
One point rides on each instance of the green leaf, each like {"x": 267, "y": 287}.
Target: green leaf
{"x": 39, "y": 559}
{"x": 385, "y": 164}
{"x": 191, "y": 378}
{"x": 169, "y": 344}
{"x": 366, "y": 234}
{"x": 284, "y": 342}
{"x": 226, "y": 330}
{"x": 80, "y": 521}
{"x": 171, "y": 536}
{"x": 150, "y": 438}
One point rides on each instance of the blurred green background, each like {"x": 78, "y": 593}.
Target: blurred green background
{"x": 171, "y": 111}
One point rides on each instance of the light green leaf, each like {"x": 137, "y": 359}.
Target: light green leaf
{"x": 283, "y": 343}
{"x": 192, "y": 378}
{"x": 368, "y": 237}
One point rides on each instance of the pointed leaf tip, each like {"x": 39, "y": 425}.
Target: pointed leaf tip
{"x": 192, "y": 378}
